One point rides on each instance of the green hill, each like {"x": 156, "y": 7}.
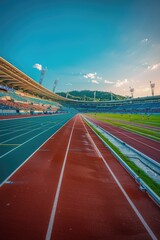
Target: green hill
{"x": 88, "y": 95}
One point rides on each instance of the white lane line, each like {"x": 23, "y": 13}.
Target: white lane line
{"x": 152, "y": 235}
{"x": 6, "y": 180}
{"x": 24, "y": 133}
{"x": 10, "y": 127}
{"x": 8, "y": 119}
{"x": 30, "y": 139}
{"x": 20, "y": 125}
{"x": 141, "y": 142}
{"x": 53, "y": 212}
{"x": 19, "y": 129}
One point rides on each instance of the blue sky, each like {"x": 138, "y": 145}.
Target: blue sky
{"x": 108, "y": 45}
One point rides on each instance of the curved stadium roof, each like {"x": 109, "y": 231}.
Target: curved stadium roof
{"x": 14, "y": 78}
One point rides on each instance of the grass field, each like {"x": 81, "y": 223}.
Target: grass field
{"x": 138, "y": 123}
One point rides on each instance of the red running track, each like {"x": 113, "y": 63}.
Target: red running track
{"x": 69, "y": 190}
{"x": 145, "y": 145}
{"x": 134, "y": 124}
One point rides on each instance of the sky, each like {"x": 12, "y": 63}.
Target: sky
{"x": 105, "y": 45}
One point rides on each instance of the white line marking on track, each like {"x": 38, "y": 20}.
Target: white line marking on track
{"x": 29, "y": 140}
{"x": 53, "y": 212}
{"x": 22, "y": 127}
{"x": 122, "y": 189}
{"x": 31, "y": 155}
{"x": 9, "y": 182}
{"x": 11, "y": 127}
{"x": 25, "y": 133}
{"x": 14, "y": 131}
{"x": 7, "y": 119}
{"x": 136, "y": 140}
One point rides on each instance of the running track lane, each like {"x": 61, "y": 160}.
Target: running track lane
{"x": 145, "y": 145}
{"x": 20, "y": 116}
{"x": 133, "y": 124}
{"x": 25, "y": 204}
{"x": 12, "y": 156}
{"x": 90, "y": 203}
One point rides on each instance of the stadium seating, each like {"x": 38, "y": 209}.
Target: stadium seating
{"x": 22, "y": 102}
{"x": 144, "y": 107}
{"x": 11, "y": 100}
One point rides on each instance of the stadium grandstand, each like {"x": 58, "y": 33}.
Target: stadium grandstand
{"x": 147, "y": 105}
{"x": 19, "y": 94}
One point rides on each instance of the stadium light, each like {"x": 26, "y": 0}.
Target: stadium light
{"x": 131, "y": 91}
{"x": 43, "y": 71}
{"x": 94, "y": 96}
{"x": 152, "y": 87}
{"x": 67, "y": 94}
{"x": 111, "y": 95}
{"x": 54, "y": 85}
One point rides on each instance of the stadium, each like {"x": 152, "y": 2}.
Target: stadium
{"x": 76, "y": 169}
{"x": 18, "y": 92}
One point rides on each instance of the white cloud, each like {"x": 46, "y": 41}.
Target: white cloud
{"x": 90, "y": 75}
{"x": 109, "y": 82}
{"x": 120, "y": 83}
{"x": 95, "y": 81}
{"x": 99, "y": 78}
{"x": 68, "y": 84}
{"x": 154, "y": 67}
{"x": 145, "y": 40}
{"x": 38, "y": 66}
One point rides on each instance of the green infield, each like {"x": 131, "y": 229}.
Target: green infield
{"x": 146, "y": 125}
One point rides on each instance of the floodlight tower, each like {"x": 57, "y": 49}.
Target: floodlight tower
{"x": 54, "y": 85}
{"x": 67, "y": 94}
{"x": 43, "y": 71}
{"x": 152, "y": 87}
{"x": 132, "y": 91}
{"x": 111, "y": 96}
{"x": 94, "y": 96}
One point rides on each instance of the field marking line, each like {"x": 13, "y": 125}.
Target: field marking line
{"x": 6, "y": 179}
{"x": 29, "y": 124}
{"x": 138, "y": 140}
{"x": 141, "y": 134}
{"x": 139, "y": 124}
{"x": 152, "y": 235}
{"x": 21, "y": 126}
{"x": 30, "y": 139}
{"x": 24, "y": 133}
{"x": 10, "y": 127}
{"x": 21, "y": 129}
{"x": 10, "y": 144}
{"x": 7, "y": 119}
{"x": 53, "y": 212}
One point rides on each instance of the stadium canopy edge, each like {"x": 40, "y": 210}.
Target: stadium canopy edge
{"x": 12, "y": 77}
